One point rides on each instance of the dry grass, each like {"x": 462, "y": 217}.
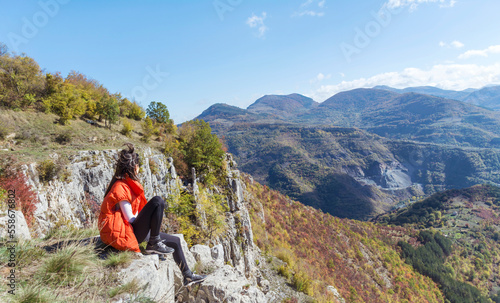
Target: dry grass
{"x": 37, "y": 135}
{"x": 68, "y": 272}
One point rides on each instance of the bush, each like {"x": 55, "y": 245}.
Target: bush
{"x": 284, "y": 270}
{"x": 127, "y": 129}
{"x": 302, "y": 282}
{"x": 3, "y": 132}
{"x": 64, "y": 137}
{"x": 26, "y": 199}
{"x": 148, "y": 129}
{"x": 47, "y": 170}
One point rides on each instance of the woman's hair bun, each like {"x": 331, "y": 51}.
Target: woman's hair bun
{"x": 130, "y": 146}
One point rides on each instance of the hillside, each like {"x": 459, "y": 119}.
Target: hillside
{"x": 487, "y": 97}
{"x": 361, "y": 152}
{"x": 350, "y": 172}
{"x": 409, "y": 116}
{"x": 470, "y": 219}
{"x": 430, "y": 90}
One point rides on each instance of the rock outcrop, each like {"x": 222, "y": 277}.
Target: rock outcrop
{"x": 75, "y": 202}
{"x": 155, "y": 278}
{"x": 224, "y": 285}
{"x": 21, "y": 229}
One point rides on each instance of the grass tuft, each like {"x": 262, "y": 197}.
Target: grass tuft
{"x": 68, "y": 264}
{"x": 34, "y": 294}
{"x": 122, "y": 258}
{"x": 130, "y": 287}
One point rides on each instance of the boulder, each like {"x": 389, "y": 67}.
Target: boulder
{"x": 202, "y": 253}
{"x": 224, "y": 285}
{"x": 155, "y": 277}
{"x": 21, "y": 229}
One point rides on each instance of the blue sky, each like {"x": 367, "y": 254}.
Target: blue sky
{"x": 192, "y": 54}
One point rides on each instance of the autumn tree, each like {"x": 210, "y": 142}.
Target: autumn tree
{"x": 21, "y": 81}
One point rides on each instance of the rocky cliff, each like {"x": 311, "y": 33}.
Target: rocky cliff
{"x": 74, "y": 202}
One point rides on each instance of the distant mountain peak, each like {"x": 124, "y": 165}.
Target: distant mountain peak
{"x": 283, "y": 106}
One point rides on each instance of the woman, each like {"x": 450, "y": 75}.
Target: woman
{"x": 127, "y": 218}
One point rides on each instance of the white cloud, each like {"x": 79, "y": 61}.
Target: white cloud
{"x": 320, "y": 77}
{"x": 445, "y": 76}
{"x": 413, "y": 4}
{"x": 307, "y": 9}
{"x": 454, "y": 44}
{"x": 457, "y": 44}
{"x": 494, "y": 49}
{"x": 258, "y": 22}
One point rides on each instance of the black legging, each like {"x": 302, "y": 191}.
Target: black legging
{"x": 148, "y": 222}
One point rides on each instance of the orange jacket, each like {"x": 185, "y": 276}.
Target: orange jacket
{"x": 115, "y": 230}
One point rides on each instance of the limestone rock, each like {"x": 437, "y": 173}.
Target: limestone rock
{"x": 21, "y": 229}
{"x": 155, "y": 277}
{"x": 217, "y": 253}
{"x": 75, "y": 200}
{"x": 202, "y": 253}
{"x": 224, "y": 285}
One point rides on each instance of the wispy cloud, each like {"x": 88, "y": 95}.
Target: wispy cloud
{"x": 494, "y": 49}
{"x": 320, "y": 77}
{"x": 258, "y": 23}
{"x": 446, "y": 76}
{"x": 413, "y": 4}
{"x": 312, "y": 8}
{"x": 455, "y": 44}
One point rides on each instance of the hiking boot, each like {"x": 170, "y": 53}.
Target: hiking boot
{"x": 190, "y": 278}
{"x": 158, "y": 248}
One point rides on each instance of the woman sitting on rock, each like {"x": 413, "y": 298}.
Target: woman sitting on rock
{"x": 127, "y": 218}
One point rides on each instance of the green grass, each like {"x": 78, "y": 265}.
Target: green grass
{"x": 34, "y": 294}
{"x": 71, "y": 273}
{"x": 130, "y": 287}
{"x": 118, "y": 259}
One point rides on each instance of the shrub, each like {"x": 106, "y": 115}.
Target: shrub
{"x": 302, "y": 282}
{"x": 153, "y": 166}
{"x": 127, "y": 129}
{"x": 91, "y": 209}
{"x": 47, "y": 170}
{"x": 148, "y": 129}
{"x": 64, "y": 137}
{"x": 3, "y": 131}
{"x": 26, "y": 199}
{"x": 284, "y": 270}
